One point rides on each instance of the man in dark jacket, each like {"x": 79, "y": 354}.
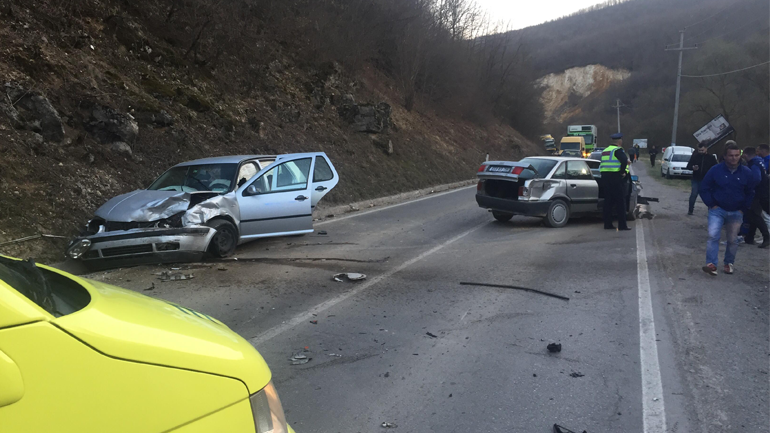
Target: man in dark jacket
{"x": 754, "y": 162}
{"x": 700, "y": 163}
{"x": 653, "y": 153}
{"x": 728, "y": 191}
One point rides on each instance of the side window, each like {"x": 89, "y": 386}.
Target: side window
{"x": 247, "y": 171}
{"x": 322, "y": 172}
{"x": 289, "y": 176}
{"x": 578, "y": 170}
{"x": 560, "y": 172}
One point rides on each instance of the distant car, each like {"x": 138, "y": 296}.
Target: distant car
{"x": 207, "y": 205}
{"x": 554, "y": 188}
{"x": 97, "y": 358}
{"x": 674, "y": 163}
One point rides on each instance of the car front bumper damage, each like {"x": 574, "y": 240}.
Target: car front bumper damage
{"x": 143, "y": 245}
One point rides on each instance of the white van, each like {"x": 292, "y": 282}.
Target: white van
{"x": 675, "y": 159}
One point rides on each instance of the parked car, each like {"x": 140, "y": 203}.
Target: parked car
{"x": 674, "y": 163}
{"x": 554, "y": 188}
{"x": 207, "y": 205}
{"x": 83, "y": 356}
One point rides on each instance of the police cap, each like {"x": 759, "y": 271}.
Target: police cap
{"x": 616, "y": 136}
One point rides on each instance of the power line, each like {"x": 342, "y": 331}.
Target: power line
{"x": 715, "y": 24}
{"x": 710, "y": 17}
{"x": 728, "y": 72}
{"x": 728, "y": 32}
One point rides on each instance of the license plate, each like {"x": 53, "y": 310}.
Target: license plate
{"x": 499, "y": 169}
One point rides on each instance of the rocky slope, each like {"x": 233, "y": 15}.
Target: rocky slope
{"x": 563, "y": 91}
{"x": 99, "y": 101}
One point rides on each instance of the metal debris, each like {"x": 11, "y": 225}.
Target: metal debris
{"x": 559, "y": 429}
{"x": 338, "y": 355}
{"x": 221, "y": 268}
{"x": 576, "y": 374}
{"x": 352, "y": 276}
{"x": 299, "y": 359}
{"x": 501, "y": 286}
{"x": 174, "y": 276}
{"x": 554, "y": 347}
{"x": 388, "y": 425}
{"x": 152, "y": 287}
{"x": 429, "y": 334}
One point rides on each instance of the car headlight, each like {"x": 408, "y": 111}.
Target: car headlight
{"x": 267, "y": 410}
{"x": 79, "y": 248}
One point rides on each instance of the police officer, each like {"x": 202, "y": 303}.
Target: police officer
{"x": 614, "y": 171}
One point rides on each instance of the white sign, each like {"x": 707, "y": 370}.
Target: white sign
{"x": 714, "y": 131}
{"x": 641, "y": 142}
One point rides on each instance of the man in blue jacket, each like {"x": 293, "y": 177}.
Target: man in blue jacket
{"x": 728, "y": 192}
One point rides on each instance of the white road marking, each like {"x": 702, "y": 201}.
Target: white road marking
{"x": 308, "y": 315}
{"x": 653, "y": 407}
{"x": 357, "y": 214}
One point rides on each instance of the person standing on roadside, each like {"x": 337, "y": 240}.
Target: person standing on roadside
{"x": 763, "y": 151}
{"x": 700, "y": 163}
{"x": 727, "y": 190}
{"x": 613, "y": 171}
{"x": 761, "y": 192}
{"x": 653, "y": 153}
{"x": 631, "y": 154}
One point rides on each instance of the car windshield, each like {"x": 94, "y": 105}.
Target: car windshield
{"x": 570, "y": 146}
{"x": 56, "y": 294}
{"x": 191, "y": 178}
{"x": 680, "y": 157}
{"x": 543, "y": 166}
{"x": 589, "y": 139}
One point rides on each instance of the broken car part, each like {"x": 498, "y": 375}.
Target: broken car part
{"x": 559, "y": 429}
{"x": 554, "y": 347}
{"x": 352, "y": 276}
{"x": 501, "y": 286}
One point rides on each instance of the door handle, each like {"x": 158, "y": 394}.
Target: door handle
{"x": 321, "y": 188}
{"x": 573, "y": 185}
{"x": 300, "y": 198}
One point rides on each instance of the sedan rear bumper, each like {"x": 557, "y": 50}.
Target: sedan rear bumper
{"x": 516, "y": 207}
{"x": 145, "y": 245}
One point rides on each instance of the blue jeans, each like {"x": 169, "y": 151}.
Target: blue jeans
{"x": 694, "y": 193}
{"x": 731, "y": 221}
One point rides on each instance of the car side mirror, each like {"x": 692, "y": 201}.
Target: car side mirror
{"x": 251, "y": 190}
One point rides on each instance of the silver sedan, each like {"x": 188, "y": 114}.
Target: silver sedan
{"x": 554, "y": 188}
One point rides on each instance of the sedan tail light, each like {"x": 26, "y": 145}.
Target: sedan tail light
{"x": 517, "y": 170}
{"x": 482, "y": 168}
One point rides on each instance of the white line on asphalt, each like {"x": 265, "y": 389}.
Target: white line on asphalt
{"x": 653, "y": 407}
{"x": 357, "y": 214}
{"x": 308, "y": 315}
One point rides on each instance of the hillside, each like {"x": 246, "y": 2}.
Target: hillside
{"x": 99, "y": 97}
{"x": 632, "y": 36}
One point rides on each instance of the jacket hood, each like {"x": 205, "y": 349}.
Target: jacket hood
{"x": 147, "y": 205}
{"x": 128, "y": 325}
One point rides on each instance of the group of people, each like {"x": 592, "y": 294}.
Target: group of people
{"x": 735, "y": 190}
{"x": 633, "y": 153}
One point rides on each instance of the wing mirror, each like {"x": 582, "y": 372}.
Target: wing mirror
{"x": 251, "y": 190}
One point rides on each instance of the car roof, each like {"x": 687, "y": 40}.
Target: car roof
{"x": 229, "y": 159}
{"x": 680, "y": 149}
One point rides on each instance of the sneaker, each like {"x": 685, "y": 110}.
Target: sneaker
{"x": 739, "y": 240}
{"x": 710, "y": 269}
{"x": 765, "y": 244}
{"x": 689, "y": 213}
{"x": 729, "y": 269}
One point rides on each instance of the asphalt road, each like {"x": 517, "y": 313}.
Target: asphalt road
{"x": 412, "y": 346}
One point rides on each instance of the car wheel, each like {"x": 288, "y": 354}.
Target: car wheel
{"x": 630, "y": 211}
{"x": 502, "y": 217}
{"x": 225, "y": 240}
{"x": 558, "y": 214}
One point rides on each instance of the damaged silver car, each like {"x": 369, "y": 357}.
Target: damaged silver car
{"x": 207, "y": 206}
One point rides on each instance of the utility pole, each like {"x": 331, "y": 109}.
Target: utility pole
{"x": 678, "y": 82}
{"x": 617, "y": 106}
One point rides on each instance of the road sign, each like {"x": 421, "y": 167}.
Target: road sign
{"x": 714, "y": 131}
{"x": 642, "y": 142}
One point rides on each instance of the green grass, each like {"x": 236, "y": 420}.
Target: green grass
{"x": 682, "y": 183}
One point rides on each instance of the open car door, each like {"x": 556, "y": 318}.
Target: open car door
{"x": 325, "y": 178}
{"x": 277, "y": 201}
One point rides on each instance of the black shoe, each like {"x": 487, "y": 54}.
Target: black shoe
{"x": 765, "y": 244}
{"x": 620, "y": 229}
{"x": 689, "y": 213}
{"x": 609, "y": 227}
{"x": 748, "y": 241}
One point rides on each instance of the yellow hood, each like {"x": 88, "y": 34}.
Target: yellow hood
{"x": 127, "y": 325}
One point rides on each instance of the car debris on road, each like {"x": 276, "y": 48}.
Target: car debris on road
{"x": 351, "y": 276}
{"x": 174, "y": 276}
{"x": 527, "y": 289}
{"x": 554, "y": 347}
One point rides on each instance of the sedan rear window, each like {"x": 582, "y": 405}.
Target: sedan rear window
{"x": 56, "y": 294}
{"x": 543, "y": 166}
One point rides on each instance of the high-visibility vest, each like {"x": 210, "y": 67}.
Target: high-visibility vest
{"x": 610, "y": 163}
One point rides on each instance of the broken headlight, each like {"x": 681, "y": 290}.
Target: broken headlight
{"x": 267, "y": 410}
{"x": 172, "y": 221}
{"x": 78, "y": 248}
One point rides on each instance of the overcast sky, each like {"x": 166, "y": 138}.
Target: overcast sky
{"x": 525, "y": 13}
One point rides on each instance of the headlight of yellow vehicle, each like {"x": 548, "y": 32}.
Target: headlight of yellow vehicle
{"x": 267, "y": 410}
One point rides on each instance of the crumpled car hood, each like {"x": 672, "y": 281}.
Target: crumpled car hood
{"x": 145, "y": 205}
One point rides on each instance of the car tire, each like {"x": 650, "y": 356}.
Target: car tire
{"x": 630, "y": 211}
{"x": 668, "y": 174}
{"x": 502, "y": 217}
{"x": 225, "y": 240}
{"x": 558, "y": 214}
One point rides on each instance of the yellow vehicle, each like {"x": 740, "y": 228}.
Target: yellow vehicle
{"x": 82, "y": 356}
{"x": 573, "y": 146}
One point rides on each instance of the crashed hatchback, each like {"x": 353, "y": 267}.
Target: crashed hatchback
{"x": 207, "y": 205}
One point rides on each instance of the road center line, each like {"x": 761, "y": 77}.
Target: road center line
{"x": 306, "y": 316}
{"x": 357, "y": 214}
{"x": 653, "y": 407}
